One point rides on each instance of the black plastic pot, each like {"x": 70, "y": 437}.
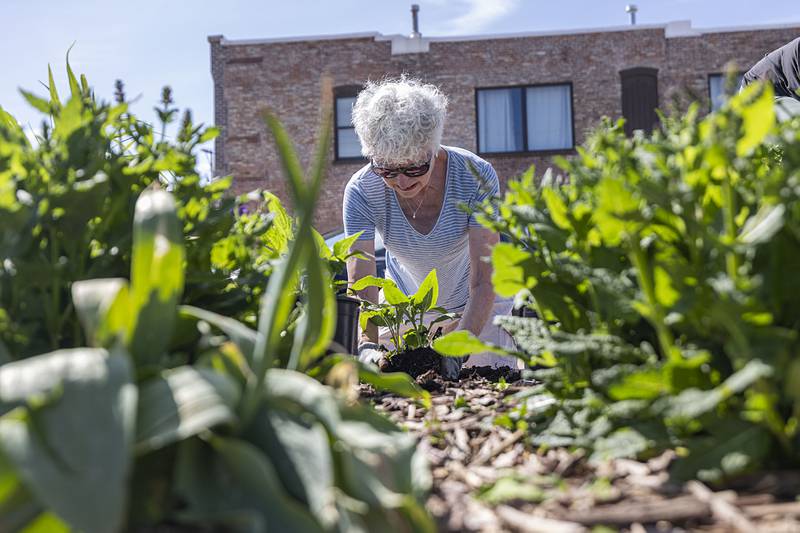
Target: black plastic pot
{"x": 347, "y": 322}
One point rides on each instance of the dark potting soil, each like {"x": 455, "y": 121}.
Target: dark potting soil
{"x": 414, "y": 363}
{"x": 489, "y": 373}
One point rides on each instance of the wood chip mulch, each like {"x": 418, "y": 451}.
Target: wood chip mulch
{"x": 488, "y": 477}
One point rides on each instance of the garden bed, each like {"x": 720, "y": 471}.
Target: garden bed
{"x": 487, "y": 477}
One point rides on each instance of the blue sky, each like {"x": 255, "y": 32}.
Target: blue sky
{"x": 150, "y": 43}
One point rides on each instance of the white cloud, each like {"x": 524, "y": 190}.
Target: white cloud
{"x": 475, "y": 15}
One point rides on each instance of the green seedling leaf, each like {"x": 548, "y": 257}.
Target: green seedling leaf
{"x": 428, "y": 293}
{"x": 392, "y": 294}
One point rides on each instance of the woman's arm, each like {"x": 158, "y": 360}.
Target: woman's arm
{"x": 481, "y": 293}
{"x": 357, "y": 269}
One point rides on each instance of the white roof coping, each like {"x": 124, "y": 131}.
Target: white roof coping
{"x": 405, "y": 44}
{"x": 245, "y": 42}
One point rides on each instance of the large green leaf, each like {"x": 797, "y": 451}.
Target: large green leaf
{"x": 232, "y": 483}
{"x": 730, "y": 448}
{"x": 758, "y": 117}
{"x": 241, "y": 335}
{"x": 299, "y": 449}
{"x": 103, "y": 317}
{"x": 156, "y": 274}
{"x": 182, "y": 402}
{"x": 508, "y": 276}
{"x": 70, "y": 439}
{"x": 692, "y": 403}
{"x": 461, "y": 343}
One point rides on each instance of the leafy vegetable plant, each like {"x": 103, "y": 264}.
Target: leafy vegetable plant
{"x": 163, "y": 420}
{"x": 404, "y": 316}
{"x": 661, "y": 276}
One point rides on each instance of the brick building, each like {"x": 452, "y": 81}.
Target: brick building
{"x": 515, "y": 99}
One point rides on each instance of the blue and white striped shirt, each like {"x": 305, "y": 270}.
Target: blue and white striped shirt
{"x": 370, "y": 206}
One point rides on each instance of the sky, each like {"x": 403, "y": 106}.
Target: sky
{"x": 152, "y": 43}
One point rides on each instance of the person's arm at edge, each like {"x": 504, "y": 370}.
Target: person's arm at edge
{"x": 481, "y": 292}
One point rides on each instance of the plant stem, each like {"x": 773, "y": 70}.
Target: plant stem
{"x": 729, "y": 214}
{"x": 645, "y": 275}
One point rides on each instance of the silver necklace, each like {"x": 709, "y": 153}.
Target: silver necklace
{"x": 414, "y": 215}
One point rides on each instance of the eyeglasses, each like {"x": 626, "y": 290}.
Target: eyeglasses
{"x": 414, "y": 171}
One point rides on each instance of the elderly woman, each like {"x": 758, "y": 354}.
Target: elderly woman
{"x": 410, "y": 194}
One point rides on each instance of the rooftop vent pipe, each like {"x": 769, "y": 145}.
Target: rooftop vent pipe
{"x": 415, "y": 34}
{"x": 631, "y": 9}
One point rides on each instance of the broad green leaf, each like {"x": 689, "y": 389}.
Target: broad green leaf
{"x": 730, "y": 449}
{"x": 280, "y": 231}
{"x": 5, "y": 354}
{"x": 238, "y": 333}
{"x": 233, "y": 483}
{"x": 341, "y": 248}
{"x": 156, "y": 274}
{"x": 461, "y": 343}
{"x": 67, "y": 399}
{"x": 301, "y": 453}
{"x": 647, "y": 385}
{"x": 758, "y": 117}
{"x": 429, "y": 286}
{"x": 763, "y": 226}
{"x": 93, "y": 300}
{"x": 622, "y": 443}
{"x": 557, "y": 207}
{"x": 508, "y": 277}
{"x": 392, "y": 294}
{"x": 180, "y": 403}
{"x": 692, "y": 403}
{"x": 666, "y": 293}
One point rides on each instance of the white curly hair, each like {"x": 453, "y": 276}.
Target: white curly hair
{"x": 399, "y": 121}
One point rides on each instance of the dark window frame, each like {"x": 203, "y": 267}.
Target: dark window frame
{"x": 343, "y": 91}
{"x": 723, "y": 75}
{"x": 524, "y": 112}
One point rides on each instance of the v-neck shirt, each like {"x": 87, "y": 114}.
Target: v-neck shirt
{"x": 370, "y": 206}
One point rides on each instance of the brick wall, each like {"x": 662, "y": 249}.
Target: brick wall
{"x": 285, "y": 76}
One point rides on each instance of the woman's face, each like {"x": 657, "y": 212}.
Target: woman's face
{"x": 410, "y": 186}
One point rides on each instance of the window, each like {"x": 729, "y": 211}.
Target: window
{"x": 717, "y": 90}
{"x": 347, "y": 145}
{"x": 639, "y": 98}
{"x": 525, "y": 119}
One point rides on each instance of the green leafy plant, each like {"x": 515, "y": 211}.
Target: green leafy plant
{"x": 400, "y": 312}
{"x": 163, "y": 420}
{"x": 658, "y": 274}
{"x": 67, "y": 207}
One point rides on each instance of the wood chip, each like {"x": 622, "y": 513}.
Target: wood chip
{"x": 672, "y": 510}
{"x": 488, "y": 451}
{"x": 778, "y": 509}
{"x": 529, "y": 523}
{"x": 722, "y": 509}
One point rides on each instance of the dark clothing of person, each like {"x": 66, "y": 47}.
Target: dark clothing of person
{"x": 781, "y": 67}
